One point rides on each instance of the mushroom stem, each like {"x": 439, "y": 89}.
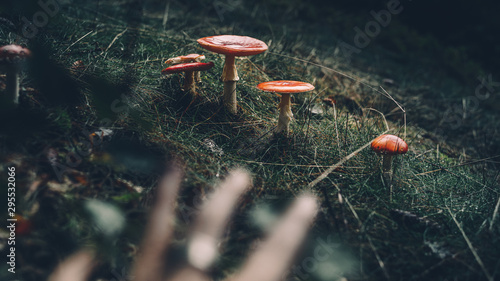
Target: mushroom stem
{"x": 189, "y": 84}
{"x": 386, "y": 163}
{"x": 286, "y": 114}
{"x": 197, "y": 76}
{"x": 387, "y": 169}
{"x": 229, "y": 73}
{"x": 12, "y": 86}
{"x": 230, "y": 77}
{"x": 229, "y": 97}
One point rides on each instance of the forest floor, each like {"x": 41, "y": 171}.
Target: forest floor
{"x": 98, "y": 121}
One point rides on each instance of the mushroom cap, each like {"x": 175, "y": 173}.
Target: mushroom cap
{"x": 389, "y": 144}
{"x": 235, "y": 45}
{"x": 185, "y": 59}
{"x": 285, "y": 87}
{"x": 13, "y": 53}
{"x": 192, "y": 66}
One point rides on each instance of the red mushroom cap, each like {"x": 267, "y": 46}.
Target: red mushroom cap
{"x": 389, "y": 144}
{"x": 192, "y": 66}
{"x": 285, "y": 87}
{"x": 11, "y": 53}
{"x": 233, "y": 45}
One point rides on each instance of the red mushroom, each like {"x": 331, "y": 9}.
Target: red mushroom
{"x": 285, "y": 88}
{"x": 189, "y": 69}
{"x": 186, "y": 59}
{"x": 23, "y": 225}
{"x": 232, "y": 46}
{"x": 388, "y": 146}
{"x": 11, "y": 57}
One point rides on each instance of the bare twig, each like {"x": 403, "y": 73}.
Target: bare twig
{"x": 379, "y": 260}
{"x": 458, "y": 165}
{"x": 309, "y": 115}
{"x": 331, "y": 69}
{"x": 471, "y": 247}
{"x": 336, "y": 128}
{"x": 383, "y": 116}
{"x": 165, "y": 15}
{"x": 399, "y": 105}
{"x": 360, "y": 224}
{"x": 114, "y": 40}
{"x": 460, "y": 176}
{"x": 495, "y": 214}
{"x": 79, "y": 39}
{"x": 338, "y": 164}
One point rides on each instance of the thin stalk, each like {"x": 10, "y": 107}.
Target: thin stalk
{"x": 230, "y": 77}
{"x": 229, "y": 97}
{"x": 387, "y": 172}
{"x": 285, "y": 116}
{"x": 336, "y": 129}
{"x": 189, "y": 84}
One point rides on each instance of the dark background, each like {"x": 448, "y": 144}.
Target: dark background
{"x": 471, "y": 26}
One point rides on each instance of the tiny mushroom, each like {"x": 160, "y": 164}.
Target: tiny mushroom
{"x": 388, "y": 146}
{"x": 23, "y": 225}
{"x": 189, "y": 69}
{"x": 285, "y": 88}
{"x": 232, "y": 46}
{"x": 185, "y": 59}
{"x": 11, "y": 58}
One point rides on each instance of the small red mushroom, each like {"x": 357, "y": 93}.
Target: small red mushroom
{"x": 285, "y": 88}
{"x": 23, "y": 225}
{"x": 11, "y": 58}
{"x": 188, "y": 69}
{"x": 388, "y": 146}
{"x": 232, "y": 46}
{"x": 330, "y": 101}
{"x": 186, "y": 59}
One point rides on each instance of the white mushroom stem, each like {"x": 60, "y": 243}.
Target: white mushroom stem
{"x": 230, "y": 77}
{"x": 197, "y": 75}
{"x": 12, "y": 86}
{"x": 286, "y": 114}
